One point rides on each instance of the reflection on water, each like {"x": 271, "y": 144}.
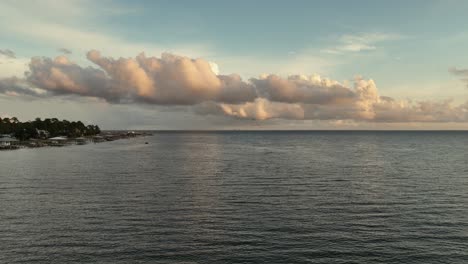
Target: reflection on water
{"x": 240, "y": 197}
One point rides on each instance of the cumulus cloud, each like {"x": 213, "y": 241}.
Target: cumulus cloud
{"x": 181, "y": 81}
{"x": 14, "y": 86}
{"x": 315, "y": 98}
{"x": 302, "y": 89}
{"x": 8, "y": 53}
{"x": 169, "y": 80}
{"x": 390, "y": 110}
{"x": 260, "y": 109}
{"x": 322, "y": 98}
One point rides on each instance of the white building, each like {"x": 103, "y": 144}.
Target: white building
{"x": 58, "y": 141}
{"x": 8, "y": 141}
{"x": 42, "y": 133}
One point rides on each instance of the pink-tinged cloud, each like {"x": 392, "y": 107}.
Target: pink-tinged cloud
{"x": 169, "y": 80}
{"x": 177, "y": 80}
{"x": 311, "y": 98}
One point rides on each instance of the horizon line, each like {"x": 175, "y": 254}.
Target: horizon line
{"x": 291, "y": 130}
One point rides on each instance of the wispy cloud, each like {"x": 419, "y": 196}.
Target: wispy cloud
{"x": 64, "y": 51}
{"x": 459, "y": 72}
{"x": 359, "y": 42}
{"x": 463, "y": 73}
{"x": 67, "y": 24}
{"x": 7, "y": 53}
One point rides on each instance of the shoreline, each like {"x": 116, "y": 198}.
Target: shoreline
{"x": 64, "y": 142}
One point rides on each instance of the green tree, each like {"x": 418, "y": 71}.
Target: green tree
{"x": 54, "y": 126}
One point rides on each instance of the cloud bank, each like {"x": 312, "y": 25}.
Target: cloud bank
{"x": 169, "y": 80}
{"x": 174, "y": 80}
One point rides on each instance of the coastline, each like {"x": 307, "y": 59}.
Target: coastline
{"x": 63, "y": 141}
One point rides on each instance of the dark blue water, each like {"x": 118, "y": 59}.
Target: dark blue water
{"x": 239, "y": 197}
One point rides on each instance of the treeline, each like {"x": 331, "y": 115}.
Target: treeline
{"x": 49, "y": 127}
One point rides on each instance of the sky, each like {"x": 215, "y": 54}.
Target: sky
{"x": 236, "y": 64}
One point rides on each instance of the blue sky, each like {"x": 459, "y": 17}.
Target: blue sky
{"x": 406, "y": 47}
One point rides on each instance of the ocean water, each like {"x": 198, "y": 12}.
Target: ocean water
{"x": 239, "y": 197}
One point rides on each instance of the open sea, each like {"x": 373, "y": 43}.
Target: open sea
{"x": 239, "y": 197}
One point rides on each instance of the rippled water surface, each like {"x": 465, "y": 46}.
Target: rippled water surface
{"x": 239, "y": 197}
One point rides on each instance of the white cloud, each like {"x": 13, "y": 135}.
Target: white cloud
{"x": 359, "y": 42}
{"x": 13, "y": 67}
{"x": 63, "y": 24}
{"x": 214, "y": 67}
